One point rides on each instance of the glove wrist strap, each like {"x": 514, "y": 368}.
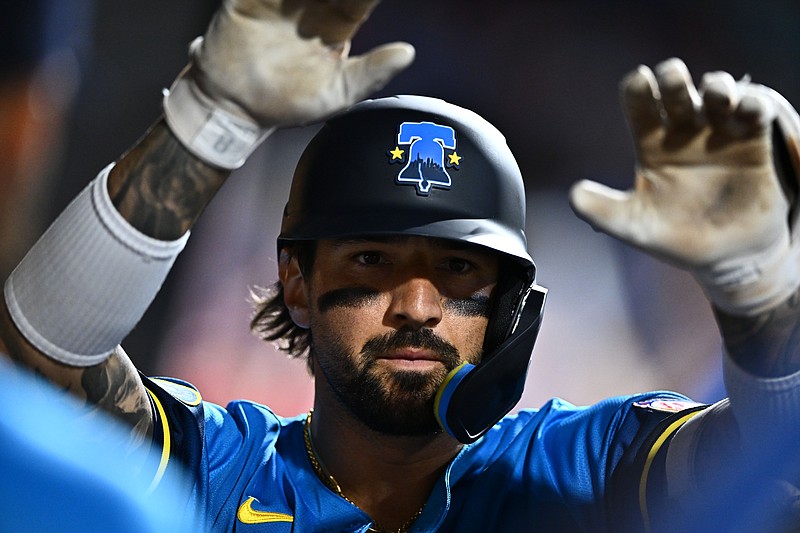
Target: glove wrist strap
{"x": 750, "y": 285}
{"x": 216, "y": 136}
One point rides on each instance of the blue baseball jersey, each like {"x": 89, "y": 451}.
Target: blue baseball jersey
{"x": 557, "y": 468}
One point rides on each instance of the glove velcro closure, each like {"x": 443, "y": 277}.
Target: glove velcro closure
{"x": 218, "y": 137}
{"x": 750, "y": 285}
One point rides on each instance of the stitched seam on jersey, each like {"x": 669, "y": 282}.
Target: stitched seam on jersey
{"x": 247, "y": 515}
{"x": 650, "y": 457}
{"x": 165, "y": 448}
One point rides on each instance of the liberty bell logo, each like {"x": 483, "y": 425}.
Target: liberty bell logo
{"x": 425, "y": 165}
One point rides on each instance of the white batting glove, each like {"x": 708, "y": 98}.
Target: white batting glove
{"x": 264, "y": 64}
{"x": 708, "y": 195}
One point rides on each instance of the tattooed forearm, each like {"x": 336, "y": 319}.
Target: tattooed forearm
{"x": 115, "y": 387}
{"x": 160, "y": 188}
{"x": 766, "y": 345}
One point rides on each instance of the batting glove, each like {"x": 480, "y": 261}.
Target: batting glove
{"x": 264, "y": 64}
{"x": 712, "y": 194}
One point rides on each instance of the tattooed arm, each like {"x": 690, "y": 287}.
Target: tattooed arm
{"x": 766, "y": 345}
{"x": 160, "y": 189}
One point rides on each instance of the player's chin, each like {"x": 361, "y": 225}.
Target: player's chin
{"x": 405, "y": 406}
{"x": 403, "y": 420}
{"x": 413, "y": 386}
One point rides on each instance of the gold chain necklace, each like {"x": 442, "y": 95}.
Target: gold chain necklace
{"x": 330, "y": 482}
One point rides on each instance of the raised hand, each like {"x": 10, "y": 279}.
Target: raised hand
{"x": 273, "y": 63}
{"x": 286, "y": 62}
{"x": 708, "y": 196}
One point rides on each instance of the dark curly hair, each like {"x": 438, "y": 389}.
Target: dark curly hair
{"x": 272, "y": 321}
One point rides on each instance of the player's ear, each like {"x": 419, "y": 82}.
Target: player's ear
{"x": 295, "y": 293}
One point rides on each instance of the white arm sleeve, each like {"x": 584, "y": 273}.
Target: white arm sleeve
{"x": 88, "y": 280}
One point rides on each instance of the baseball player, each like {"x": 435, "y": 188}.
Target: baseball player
{"x": 405, "y": 279}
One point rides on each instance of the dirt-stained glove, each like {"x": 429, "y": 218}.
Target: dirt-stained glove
{"x": 264, "y": 64}
{"x": 712, "y": 194}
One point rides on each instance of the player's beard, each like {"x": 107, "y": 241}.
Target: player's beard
{"x": 395, "y": 402}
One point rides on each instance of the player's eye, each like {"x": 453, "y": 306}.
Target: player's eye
{"x": 369, "y": 258}
{"x": 458, "y": 265}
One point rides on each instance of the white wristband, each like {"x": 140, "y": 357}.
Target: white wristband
{"x": 218, "y": 137}
{"x": 88, "y": 280}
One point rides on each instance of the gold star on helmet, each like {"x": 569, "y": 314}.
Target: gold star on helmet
{"x": 397, "y": 153}
{"x": 455, "y": 159}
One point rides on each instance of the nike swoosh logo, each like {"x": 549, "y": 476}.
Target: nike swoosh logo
{"x": 247, "y": 515}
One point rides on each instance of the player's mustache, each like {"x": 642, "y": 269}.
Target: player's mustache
{"x": 419, "y": 338}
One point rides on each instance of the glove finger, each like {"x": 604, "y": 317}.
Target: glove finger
{"x": 640, "y": 99}
{"x": 334, "y": 21}
{"x": 606, "y": 209}
{"x": 679, "y": 96}
{"x": 369, "y": 72}
{"x": 720, "y": 99}
{"x": 755, "y": 111}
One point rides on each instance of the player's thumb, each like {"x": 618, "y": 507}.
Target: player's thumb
{"x": 606, "y": 209}
{"x": 369, "y": 72}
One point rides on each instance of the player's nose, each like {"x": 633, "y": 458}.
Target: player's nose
{"x": 415, "y": 303}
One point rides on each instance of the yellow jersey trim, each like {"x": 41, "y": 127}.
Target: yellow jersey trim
{"x": 166, "y": 445}
{"x": 672, "y": 428}
{"x": 247, "y": 515}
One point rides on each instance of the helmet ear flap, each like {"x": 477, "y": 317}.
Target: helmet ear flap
{"x": 473, "y": 398}
{"x": 510, "y": 288}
